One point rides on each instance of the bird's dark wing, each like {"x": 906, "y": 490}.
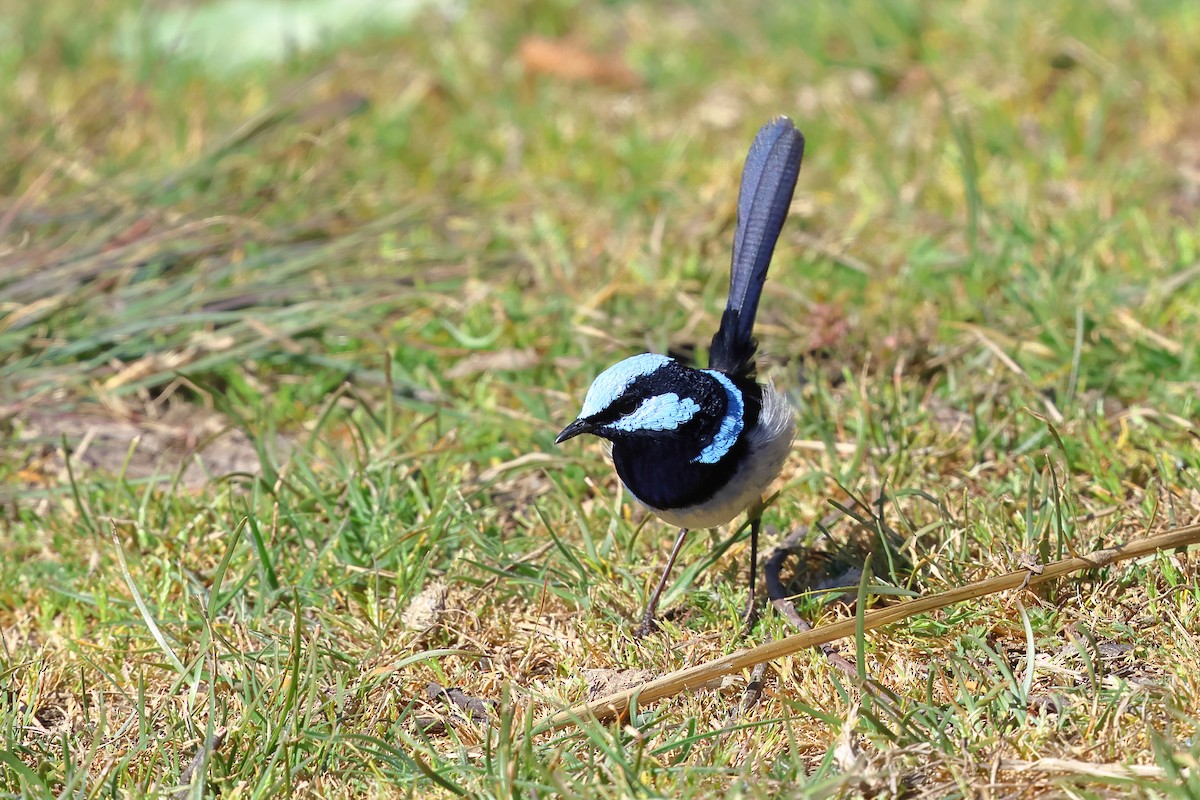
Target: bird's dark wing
{"x": 768, "y": 181}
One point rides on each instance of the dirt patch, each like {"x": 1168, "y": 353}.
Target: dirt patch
{"x": 194, "y": 444}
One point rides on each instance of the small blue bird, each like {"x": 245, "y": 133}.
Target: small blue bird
{"x": 698, "y": 447}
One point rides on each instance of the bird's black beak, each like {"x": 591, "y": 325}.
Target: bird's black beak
{"x": 574, "y": 429}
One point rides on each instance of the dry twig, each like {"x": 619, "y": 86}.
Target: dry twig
{"x": 702, "y": 674}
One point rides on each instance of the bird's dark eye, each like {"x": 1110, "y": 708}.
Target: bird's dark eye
{"x": 626, "y": 405}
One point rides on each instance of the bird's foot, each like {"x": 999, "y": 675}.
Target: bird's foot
{"x": 749, "y": 618}
{"x": 647, "y": 626}
{"x": 649, "y": 622}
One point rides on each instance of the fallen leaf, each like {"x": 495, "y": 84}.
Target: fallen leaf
{"x": 426, "y": 608}
{"x": 568, "y": 60}
{"x": 495, "y": 361}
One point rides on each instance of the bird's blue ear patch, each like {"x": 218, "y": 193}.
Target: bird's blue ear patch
{"x": 612, "y": 383}
{"x": 662, "y": 412}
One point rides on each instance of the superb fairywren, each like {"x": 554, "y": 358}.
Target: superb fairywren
{"x": 698, "y": 447}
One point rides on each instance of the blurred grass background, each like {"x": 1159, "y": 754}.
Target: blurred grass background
{"x": 285, "y": 338}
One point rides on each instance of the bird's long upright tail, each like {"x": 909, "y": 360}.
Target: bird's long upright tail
{"x": 768, "y": 181}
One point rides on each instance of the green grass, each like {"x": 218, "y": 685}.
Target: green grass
{"x": 391, "y": 267}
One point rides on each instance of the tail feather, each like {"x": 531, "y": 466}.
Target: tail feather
{"x": 768, "y": 181}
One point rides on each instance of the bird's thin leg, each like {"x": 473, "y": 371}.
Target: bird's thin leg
{"x": 647, "y": 624}
{"x": 750, "y": 616}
